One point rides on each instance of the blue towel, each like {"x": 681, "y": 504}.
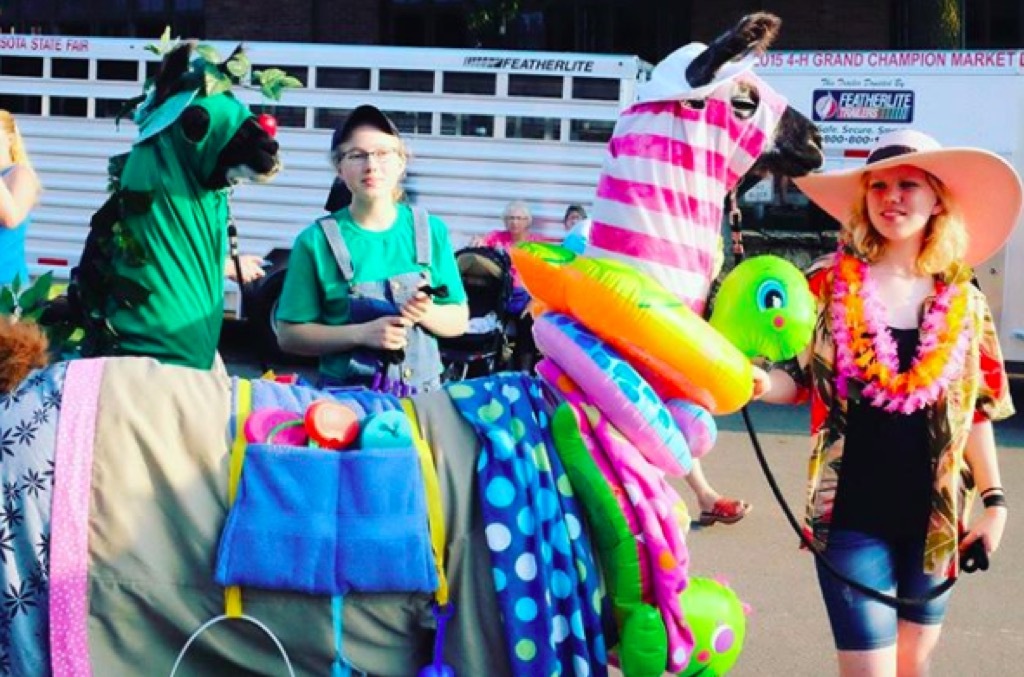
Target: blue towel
{"x": 326, "y": 522}
{"x": 297, "y": 398}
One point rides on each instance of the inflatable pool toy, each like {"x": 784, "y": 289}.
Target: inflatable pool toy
{"x": 765, "y": 308}
{"x": 612, "y": 385}
{"x": 719, "y": 623}
{"x": 646, "y": 652}
{"x": 642, "y": 320}
{"x": 697, "y": 425}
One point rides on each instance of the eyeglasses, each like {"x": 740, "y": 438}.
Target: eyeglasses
{"x": 361, "y": 157}
{"x": 517, "y": 218}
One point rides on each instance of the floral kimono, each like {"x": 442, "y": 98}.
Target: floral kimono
{"x": 979, "y": 393}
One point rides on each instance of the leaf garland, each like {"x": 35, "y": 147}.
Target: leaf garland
{"x": 216, "y": 76}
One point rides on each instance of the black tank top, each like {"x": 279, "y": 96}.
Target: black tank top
{"x": 886, "y": 475}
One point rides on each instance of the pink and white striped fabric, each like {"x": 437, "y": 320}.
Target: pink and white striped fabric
{"x": 668, "y": 169}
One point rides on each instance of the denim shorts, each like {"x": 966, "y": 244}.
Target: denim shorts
{"x": 894, "y": 567}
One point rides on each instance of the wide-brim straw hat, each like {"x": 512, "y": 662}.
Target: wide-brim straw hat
{"x": 668, "y": 79}
{"x": 986, "y": 187}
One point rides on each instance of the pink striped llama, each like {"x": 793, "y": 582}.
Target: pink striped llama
{"x": 700, "y": 124}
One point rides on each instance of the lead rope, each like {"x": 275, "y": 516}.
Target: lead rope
{"x": 891, "y": 600}
{"x": 738, "y": 253}
{"x": 735, "y": 226}
{"x": 233, "y": 252}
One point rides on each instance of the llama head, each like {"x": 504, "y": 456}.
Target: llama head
{"x": 700, "y": 124}
{"x": 212, "y": 133}
{"x": 762, "y": 132}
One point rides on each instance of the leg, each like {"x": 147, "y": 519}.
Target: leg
{"x": 916, "y": 645}
{"x": 920, "y": 625}
{"x": 864, "y": 629}
{"x": 875, "y": 663}
{"x": 712, "y": 506}
{"x": 705, "y": 493}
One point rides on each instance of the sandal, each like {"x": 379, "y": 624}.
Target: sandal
{"x": 726, "y": 511}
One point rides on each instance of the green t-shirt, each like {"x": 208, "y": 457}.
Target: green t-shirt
{"x": 183, "y": 235}
{"x": 315, "y": 290}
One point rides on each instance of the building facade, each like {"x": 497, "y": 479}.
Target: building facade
{"x": 649, "y": 28}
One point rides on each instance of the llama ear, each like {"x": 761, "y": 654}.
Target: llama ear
{"x": 174, "y": 66}
{"x": 753, "y": 33}
{"x": 195, "y": 123}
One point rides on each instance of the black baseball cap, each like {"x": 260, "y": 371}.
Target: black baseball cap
{"x": 365, "y": 115}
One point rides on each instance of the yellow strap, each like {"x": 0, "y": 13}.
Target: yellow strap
{"x": 243, "y": 405}
{"x": 432, "y": 488}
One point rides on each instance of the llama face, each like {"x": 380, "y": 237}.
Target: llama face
{"x": 794, "y": 149}
{"x": 251, "y": 155}
{"x": 792, "y": 142}
{"x": 212, "y": 134}
{"x": 783, "y": 142}
{"x": 225, "y": 144}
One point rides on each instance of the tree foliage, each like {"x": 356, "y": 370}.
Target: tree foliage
{"x": 488, "y": 21}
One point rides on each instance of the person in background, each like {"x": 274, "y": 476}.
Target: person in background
{"x": 354, "y": 291}
{"x": 19, "y": 194}
{"x": 577, "y": 228}
{"x": 573, "y": 214}
{"x": 517, "y": 220}
{"x": 905, "y": 376}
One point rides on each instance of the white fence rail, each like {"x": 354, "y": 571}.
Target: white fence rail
{"x": 484, "y": 128}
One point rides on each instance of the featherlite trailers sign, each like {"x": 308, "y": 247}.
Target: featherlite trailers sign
{"x": 854, "y": 97}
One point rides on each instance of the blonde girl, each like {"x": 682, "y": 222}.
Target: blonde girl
{"x": 19, "y": 194}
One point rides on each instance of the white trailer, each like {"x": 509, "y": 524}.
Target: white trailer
{"x": 962, "y": 98}
{"x": 484, "y": 127}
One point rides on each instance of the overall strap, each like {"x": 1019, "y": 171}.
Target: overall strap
{"x": 421, "y": 225}
{"x": 338, "y": 247}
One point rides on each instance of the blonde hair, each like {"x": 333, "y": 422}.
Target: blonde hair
{"x": 8, "y": 126}
{"x": 945, "y": 238}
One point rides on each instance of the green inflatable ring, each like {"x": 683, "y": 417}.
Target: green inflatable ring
{"x": 643, "y": 645}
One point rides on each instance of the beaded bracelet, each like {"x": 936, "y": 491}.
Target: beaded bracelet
{"x": 994, "y": 501}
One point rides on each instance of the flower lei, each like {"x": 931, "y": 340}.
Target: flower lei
{"x": 866, "y": 351}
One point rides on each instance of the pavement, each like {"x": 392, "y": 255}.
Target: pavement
{"x": 787, "y": 631}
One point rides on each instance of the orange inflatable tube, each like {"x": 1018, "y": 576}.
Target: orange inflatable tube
{"x": 676, "y": 350}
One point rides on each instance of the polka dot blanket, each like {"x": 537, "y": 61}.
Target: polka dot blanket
{"x": 544, "y": 572}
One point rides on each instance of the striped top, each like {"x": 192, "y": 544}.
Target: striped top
{"x": 668, "y": 169}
